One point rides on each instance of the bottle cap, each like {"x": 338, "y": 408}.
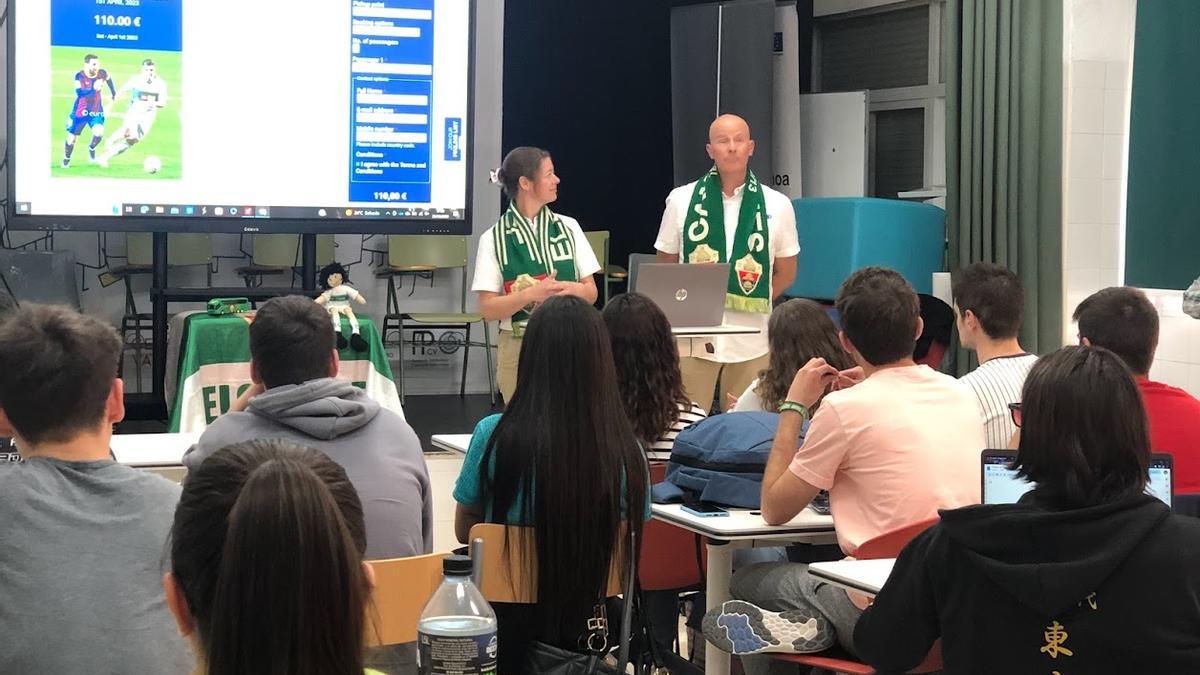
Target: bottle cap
{"x": 456, "y": 565}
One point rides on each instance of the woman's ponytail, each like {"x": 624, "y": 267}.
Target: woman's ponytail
{"x": 268, "y": 545}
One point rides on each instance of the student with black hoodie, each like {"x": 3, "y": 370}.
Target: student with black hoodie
{"x": 1085, "y": 574}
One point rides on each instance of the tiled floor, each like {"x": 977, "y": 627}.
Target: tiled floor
{"x": 446, "y": 414}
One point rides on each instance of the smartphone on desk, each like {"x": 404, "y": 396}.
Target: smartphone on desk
{"x": 704, "y": 510}
{"x": 820, "y": 503}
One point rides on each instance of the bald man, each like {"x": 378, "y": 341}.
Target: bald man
{"x": 728, "y": 216}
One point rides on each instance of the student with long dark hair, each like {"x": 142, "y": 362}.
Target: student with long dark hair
{"x": 1085, "y": 574}
{"x": 267, "y": 573}
{"x": 799, "y": 330}
{"x": 648, "y": 377}
{"x": 563, "y": 460}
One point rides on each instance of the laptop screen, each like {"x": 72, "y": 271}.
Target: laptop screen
{"x": 1160, "y": 478}
{"x": 1002, "y": 485}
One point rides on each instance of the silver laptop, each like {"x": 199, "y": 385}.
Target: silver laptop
{"x": 692, "y": 296}
{"x": 1002, "y": 485}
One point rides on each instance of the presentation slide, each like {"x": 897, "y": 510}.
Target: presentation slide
{"x": 340, "y": 109}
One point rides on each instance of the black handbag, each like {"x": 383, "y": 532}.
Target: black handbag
{"x": 546, "y": 659}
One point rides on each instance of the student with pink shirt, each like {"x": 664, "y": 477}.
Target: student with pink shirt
{"x": 896, "y": 442}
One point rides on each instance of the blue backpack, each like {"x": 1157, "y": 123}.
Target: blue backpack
{"x": 721, "y": 460}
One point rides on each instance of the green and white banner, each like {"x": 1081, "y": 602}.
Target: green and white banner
{"x": 214, "y": 369}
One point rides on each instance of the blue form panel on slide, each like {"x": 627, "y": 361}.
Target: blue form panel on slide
{"x": 391, "y": 100}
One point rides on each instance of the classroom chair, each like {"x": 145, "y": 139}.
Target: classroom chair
{"x": 886, "y": 545}
{"x": 277, "y": 254}
{"x": 635, "y": 261}
{"x": 402, "y": 587}
{"x": 505, "y": 575}
{"x": 938, "y": 317}
{"x": 666, "y": 561}
{"x": 422, "y": 255}
{"x": 609, "y": 274}
{"x": 671, "y": 559}
{"x": 183, "y": 250}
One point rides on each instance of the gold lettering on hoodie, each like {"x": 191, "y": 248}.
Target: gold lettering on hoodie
{"x": 1056, "y": 635}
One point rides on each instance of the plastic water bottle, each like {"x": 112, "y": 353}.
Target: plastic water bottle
{"x": 457, "y": 629}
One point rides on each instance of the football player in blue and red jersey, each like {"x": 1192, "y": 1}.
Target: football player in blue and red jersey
{"x": 88, "y": 110}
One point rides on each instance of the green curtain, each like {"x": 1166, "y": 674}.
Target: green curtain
{"x": 1004, "y": 119}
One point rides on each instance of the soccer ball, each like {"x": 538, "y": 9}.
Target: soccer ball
{"x": 152, "y": 164}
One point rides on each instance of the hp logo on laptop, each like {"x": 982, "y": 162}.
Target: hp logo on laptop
{"x": 681, "y": 294}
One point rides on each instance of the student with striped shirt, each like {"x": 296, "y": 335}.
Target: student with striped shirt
{"x": 648, "y": 375}
{"x": 989, "y": 305}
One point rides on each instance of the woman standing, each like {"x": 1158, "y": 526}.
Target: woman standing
{"x": 529, "y": 255}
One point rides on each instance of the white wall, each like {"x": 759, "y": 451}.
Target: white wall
{"x": 108, "y": 303}
{"x": 1099, "y": 55}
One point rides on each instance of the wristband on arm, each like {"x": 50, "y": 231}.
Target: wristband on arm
{"x": 795, "y": 407}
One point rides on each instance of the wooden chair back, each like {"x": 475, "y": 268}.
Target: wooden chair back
{"x": 402, "y": 587}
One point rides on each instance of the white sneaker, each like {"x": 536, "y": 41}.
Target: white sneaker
{"x": 739, "y": 627}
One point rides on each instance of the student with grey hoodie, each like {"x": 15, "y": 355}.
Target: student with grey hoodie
{"x": 296, "y": 397}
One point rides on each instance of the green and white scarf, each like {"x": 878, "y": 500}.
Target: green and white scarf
{"x": 704, "y": 241}
{"x": 528, "y": 249}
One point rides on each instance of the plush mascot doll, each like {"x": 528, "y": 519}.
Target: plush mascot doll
{"x": 336, "y": 298}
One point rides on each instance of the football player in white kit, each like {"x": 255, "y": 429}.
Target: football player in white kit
{"x": 148, "y": 93}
